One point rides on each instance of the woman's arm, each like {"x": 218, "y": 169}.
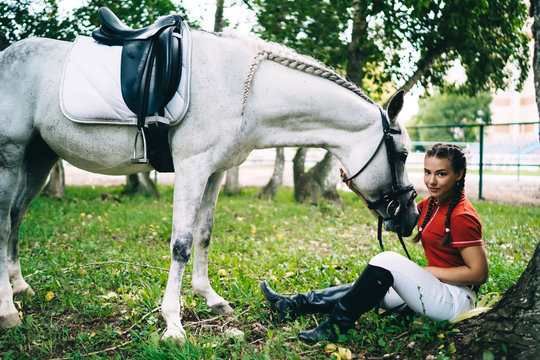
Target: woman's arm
{"x": 474, "y": 272}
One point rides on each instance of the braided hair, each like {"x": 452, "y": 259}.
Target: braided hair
{"x": 459, "y": 163}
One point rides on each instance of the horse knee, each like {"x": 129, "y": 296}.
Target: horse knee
{"x": 206, "y": 236}
{"x": 181, "y": 248}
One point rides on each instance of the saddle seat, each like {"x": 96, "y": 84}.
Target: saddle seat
{"x": 114, "y": 32}
{"x": 151, "y": 64}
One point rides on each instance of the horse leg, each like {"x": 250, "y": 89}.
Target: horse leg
{"x": 202, "y": 236}
{"x": 39, "y": 160}
{"x": 188, "y": 193}
{"x": 11, "y": 156}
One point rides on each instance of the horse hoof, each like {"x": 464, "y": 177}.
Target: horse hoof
{"x": 222, "y": 309}
{"x": 174, "y": 335}
{"x": 9, "y": 321}
{"x": 21, "y": 292}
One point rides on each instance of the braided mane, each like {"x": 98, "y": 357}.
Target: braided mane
{"x": 290, "y": 58}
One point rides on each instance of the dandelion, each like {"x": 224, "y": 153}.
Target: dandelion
{"x": 81, "y": 272}
{"x": 222, "y": 272}
{"x": 49, "y": 296}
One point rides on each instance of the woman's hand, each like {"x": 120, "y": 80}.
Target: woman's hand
{"x": 474, "y": 272}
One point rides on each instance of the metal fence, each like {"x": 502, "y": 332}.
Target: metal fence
{"x": 501, "y": 156}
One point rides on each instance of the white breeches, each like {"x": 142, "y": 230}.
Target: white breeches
{"x": 420, "y": 290}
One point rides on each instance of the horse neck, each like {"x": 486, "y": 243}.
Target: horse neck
{"x": 293, "y": 108}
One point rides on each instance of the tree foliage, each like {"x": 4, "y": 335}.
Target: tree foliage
{"x": 386, "y": 38}
{"x": 134, "y": 13}
{"x": 20, "y": 19}
{"x": 448, "y": 108}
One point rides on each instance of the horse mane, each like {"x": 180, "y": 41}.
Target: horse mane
{"x": 290, "y": 58}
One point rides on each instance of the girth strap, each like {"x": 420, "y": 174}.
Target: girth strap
{"x": 159, "y": 151}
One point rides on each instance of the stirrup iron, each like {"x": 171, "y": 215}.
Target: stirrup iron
{"x": 144, "y": 159}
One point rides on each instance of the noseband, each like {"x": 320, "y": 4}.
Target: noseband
{"x": 390, "y": 198}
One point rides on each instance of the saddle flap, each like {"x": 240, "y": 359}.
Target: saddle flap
{"x": 150, "y": 72}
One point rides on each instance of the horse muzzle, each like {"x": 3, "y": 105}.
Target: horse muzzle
{"x": 400, "y": 214}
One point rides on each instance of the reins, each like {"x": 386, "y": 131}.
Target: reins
{"x": 394, "y": 206}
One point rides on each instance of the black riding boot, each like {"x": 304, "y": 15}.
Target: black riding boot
{"x": 315, "y": 301}
{"x": 364, "y": 295}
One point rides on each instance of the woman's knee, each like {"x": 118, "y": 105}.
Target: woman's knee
{"x": 387, "y": 259}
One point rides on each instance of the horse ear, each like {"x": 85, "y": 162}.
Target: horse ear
{"x": 395, "y": 104}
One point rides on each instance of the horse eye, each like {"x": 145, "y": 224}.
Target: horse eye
{"x": 403, "y": 156}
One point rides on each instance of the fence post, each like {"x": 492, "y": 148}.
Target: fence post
{"x": 518, "y": 159}
{"x": 481, "y": 163}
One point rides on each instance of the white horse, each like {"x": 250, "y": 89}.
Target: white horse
{"x": 245, "y": 95}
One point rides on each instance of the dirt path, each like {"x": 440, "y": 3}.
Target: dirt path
{"x": 497, "y": 188}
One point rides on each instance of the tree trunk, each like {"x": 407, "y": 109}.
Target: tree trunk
{"x": 218, "y": 18}
{"x": 356, "y": 53}
{"x": 535, "y": 14}
{"x": 232, "y": 183}
{"x": 317, "y": 183}
{"x": 514, "y": 322}
{"x": 56, "y": 187}
{"x": 270, "y": 190}
{"x": 320, "y": 182}
{"x": 140, "y": 183}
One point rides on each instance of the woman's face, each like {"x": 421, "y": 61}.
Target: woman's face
{"x": 440, "y": 178}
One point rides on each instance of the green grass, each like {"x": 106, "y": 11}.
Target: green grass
{"x": 71, "y": 250}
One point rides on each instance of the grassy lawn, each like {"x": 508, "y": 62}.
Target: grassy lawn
{"x": 98, "y": 261}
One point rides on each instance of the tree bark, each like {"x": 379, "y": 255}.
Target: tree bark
{"x": 140, "y": 183}
{"x": 232, "y": 178}
{"x": 535, "y": 14}
{"x": 218, "y": 18}
{"x": 356, "y": 53}
{"x": 270, "y": 190}
{"x": 56, "y": 187}
{"x": 310, "y": 187}
{"x": 320, "y": 181}
{"x": 232, "y": 183}
{"x": 514, "y": 322}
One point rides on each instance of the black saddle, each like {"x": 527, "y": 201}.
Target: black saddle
{"x": 151, "y": 64}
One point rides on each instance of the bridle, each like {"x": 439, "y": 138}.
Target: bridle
{"x": 389, "y": 198}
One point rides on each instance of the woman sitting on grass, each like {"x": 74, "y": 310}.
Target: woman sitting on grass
{"x": 451, "y": 235}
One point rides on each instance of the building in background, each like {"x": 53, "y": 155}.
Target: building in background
{"x": 512, "y": 107}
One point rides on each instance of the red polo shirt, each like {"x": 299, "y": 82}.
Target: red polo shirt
{"x": 465, "y": 229}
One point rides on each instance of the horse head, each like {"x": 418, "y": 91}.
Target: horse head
{"x": 382, "y": 181}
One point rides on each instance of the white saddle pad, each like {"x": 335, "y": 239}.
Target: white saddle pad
{"x": 90, "y": 91}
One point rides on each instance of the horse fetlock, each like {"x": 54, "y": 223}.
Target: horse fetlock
{"x": 22, "y": 291}
{"x": 9, "y": 321}
{"x": 222, "y": 309}
{"x": 21, "y": 288}
{"x": 175, "y": 331}
{"x": 9, "y": 317}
